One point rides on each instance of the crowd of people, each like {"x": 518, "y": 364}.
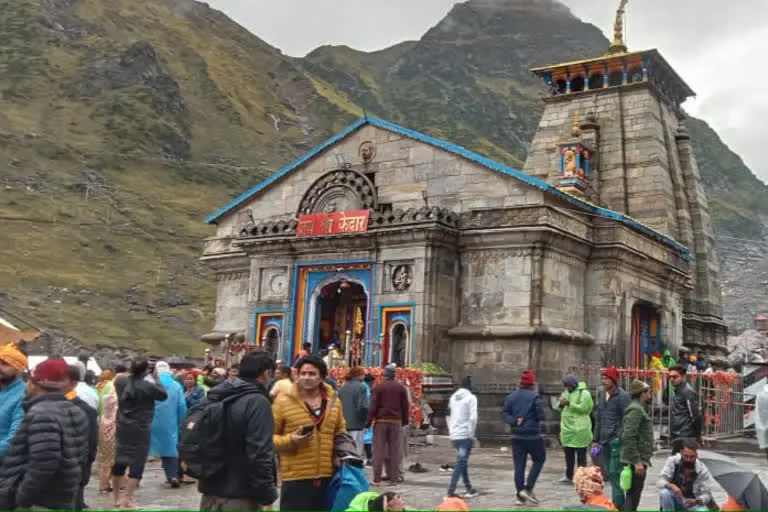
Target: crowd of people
{"x": 245, "y": 431}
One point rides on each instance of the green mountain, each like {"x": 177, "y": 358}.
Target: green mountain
{"x": 124, "y": 122}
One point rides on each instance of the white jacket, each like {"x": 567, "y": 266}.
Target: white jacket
{"x": 463, "y": 415}
{"x": 761, "y": 417}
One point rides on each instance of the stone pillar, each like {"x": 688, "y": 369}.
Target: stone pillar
{"x": 702, "y": 308}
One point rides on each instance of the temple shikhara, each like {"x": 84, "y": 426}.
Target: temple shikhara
{"x": 410, "y": 249}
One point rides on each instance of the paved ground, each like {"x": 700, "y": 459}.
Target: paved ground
{"x": 491, "y": 470}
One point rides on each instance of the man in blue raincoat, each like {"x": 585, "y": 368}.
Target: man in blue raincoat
{"x": 165, "y": 425}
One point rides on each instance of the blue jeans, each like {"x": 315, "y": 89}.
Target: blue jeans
{"x": 171, "y": 467}
{"x": 671, "y": 501}
{"x": 521, "y": 448}
{"x": 461, "y": 469}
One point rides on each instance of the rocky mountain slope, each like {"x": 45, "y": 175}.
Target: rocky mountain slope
{"x": 124, "y": 122}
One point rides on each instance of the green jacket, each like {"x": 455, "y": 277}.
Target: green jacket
{"x": 360, "y": 502}
{"x": 575, "y": 423}
{"x": 637, "y": 443}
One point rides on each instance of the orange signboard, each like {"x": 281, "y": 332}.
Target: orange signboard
{"x": 333, "y": 223}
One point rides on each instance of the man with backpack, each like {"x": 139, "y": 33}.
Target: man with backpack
{"x": 226, "y": 440}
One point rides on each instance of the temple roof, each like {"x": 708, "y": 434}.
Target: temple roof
{"x": 464, "y": 153}
{"x": 654, "y": 57}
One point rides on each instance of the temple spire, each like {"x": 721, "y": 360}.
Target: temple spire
{"x": 618, "y": 45}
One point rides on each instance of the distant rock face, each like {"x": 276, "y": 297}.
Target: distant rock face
{"x": 749, "y": 347}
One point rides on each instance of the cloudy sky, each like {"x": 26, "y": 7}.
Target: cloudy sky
{"x": 718, "y": 46}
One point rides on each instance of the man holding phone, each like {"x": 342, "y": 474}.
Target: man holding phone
{"x": 307, "y": 420}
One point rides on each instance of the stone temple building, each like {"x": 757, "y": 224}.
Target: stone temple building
{"x": 599, "y": 251}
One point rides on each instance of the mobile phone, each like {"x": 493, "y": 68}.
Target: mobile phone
{"x": 307, "y": 429}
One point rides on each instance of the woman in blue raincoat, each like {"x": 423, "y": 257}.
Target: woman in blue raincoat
{"x": 165, "y": 425}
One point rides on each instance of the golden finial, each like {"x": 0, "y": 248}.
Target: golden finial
{"x": 576, "y": 127}
{"x": 618, "y": 45}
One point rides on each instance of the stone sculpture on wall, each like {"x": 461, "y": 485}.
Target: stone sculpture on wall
{"x": 367, "y": 151}
{"x": 402, "y": 278}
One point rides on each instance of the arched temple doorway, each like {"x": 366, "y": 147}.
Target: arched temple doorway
{"x": 646, "y": 335}
{"x": 341, "y": 306}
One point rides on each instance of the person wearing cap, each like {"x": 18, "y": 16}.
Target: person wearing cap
{"x": 575, "y": 424}
{"x": 169, "y": 414}
{"x": 85, "y": 392}
{"x": 609, "y": 415}
{"x": 388, "y": 413}
{"x": 637, "y": 441}
{"x": 524, "y": 412}
{"x": 307, "y": 421}
{"x": 44, "y": 464}
{"x": 462, "y": 422}
{"x": 13, "y": 362}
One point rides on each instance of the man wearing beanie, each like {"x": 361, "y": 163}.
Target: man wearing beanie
{"x": 389, "y": 413}
{"x": 44, "y": 463}
{"x": 247, "y": 481}
{"x": 524, "y": 412}
{"x": 609, "y": 415}
{"x": 13, "y": 362}
{"x": 462, "y": 422}
{"x": 637, "y": 443}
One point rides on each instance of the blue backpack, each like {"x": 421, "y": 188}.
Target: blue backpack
{"x": 348, "y": 482}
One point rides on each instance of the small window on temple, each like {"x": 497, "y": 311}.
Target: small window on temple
{"x": 577, "y": 84}
{"x": 635, "y": 75}
{"x": 560, "y": 86}
{"x": 615, "y": 78}
{"x": 596, "y": 81}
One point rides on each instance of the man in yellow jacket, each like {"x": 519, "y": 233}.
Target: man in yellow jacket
{"x": 307, "y": 420}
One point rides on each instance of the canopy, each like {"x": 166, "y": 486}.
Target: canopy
{"x": 92, "y": 364}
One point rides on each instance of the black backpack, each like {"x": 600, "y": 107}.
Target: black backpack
{"x": 202, "y": 438}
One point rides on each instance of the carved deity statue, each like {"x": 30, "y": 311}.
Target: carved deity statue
{"x": 571, "y": 166}
{"x": 401, "y": 277}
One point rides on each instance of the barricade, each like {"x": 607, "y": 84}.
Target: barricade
{"x": 722, "y": 400}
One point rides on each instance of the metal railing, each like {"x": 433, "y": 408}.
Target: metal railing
{"x": 722, "y": 399}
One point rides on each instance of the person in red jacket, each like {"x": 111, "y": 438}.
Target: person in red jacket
{"x": 388, "y": 413}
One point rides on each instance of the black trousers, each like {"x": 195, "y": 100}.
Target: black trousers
{"x": 571, "y": 456}
{"x": 304, "y": 494}
{"x": 633, "y": 495}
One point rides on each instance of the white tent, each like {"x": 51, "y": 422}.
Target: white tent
{"x": 33, "y": 361}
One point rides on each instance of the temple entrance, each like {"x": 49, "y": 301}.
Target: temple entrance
{"x": 341, "y": 306}
{"x": 646, "y": 335}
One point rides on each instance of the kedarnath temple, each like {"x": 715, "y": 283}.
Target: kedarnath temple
{"x": 410, "y": 249}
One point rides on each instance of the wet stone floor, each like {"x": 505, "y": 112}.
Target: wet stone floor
{"x": 491, "y": 472}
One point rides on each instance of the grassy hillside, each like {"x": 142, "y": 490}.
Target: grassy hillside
{"x": 122, "y": 124}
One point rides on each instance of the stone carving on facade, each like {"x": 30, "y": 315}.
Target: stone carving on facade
{"x": 402, "y": 277}
{"x": 273, "y": 283}
{"x": 367, "y": 151}
{"x": 339, "y": 191}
